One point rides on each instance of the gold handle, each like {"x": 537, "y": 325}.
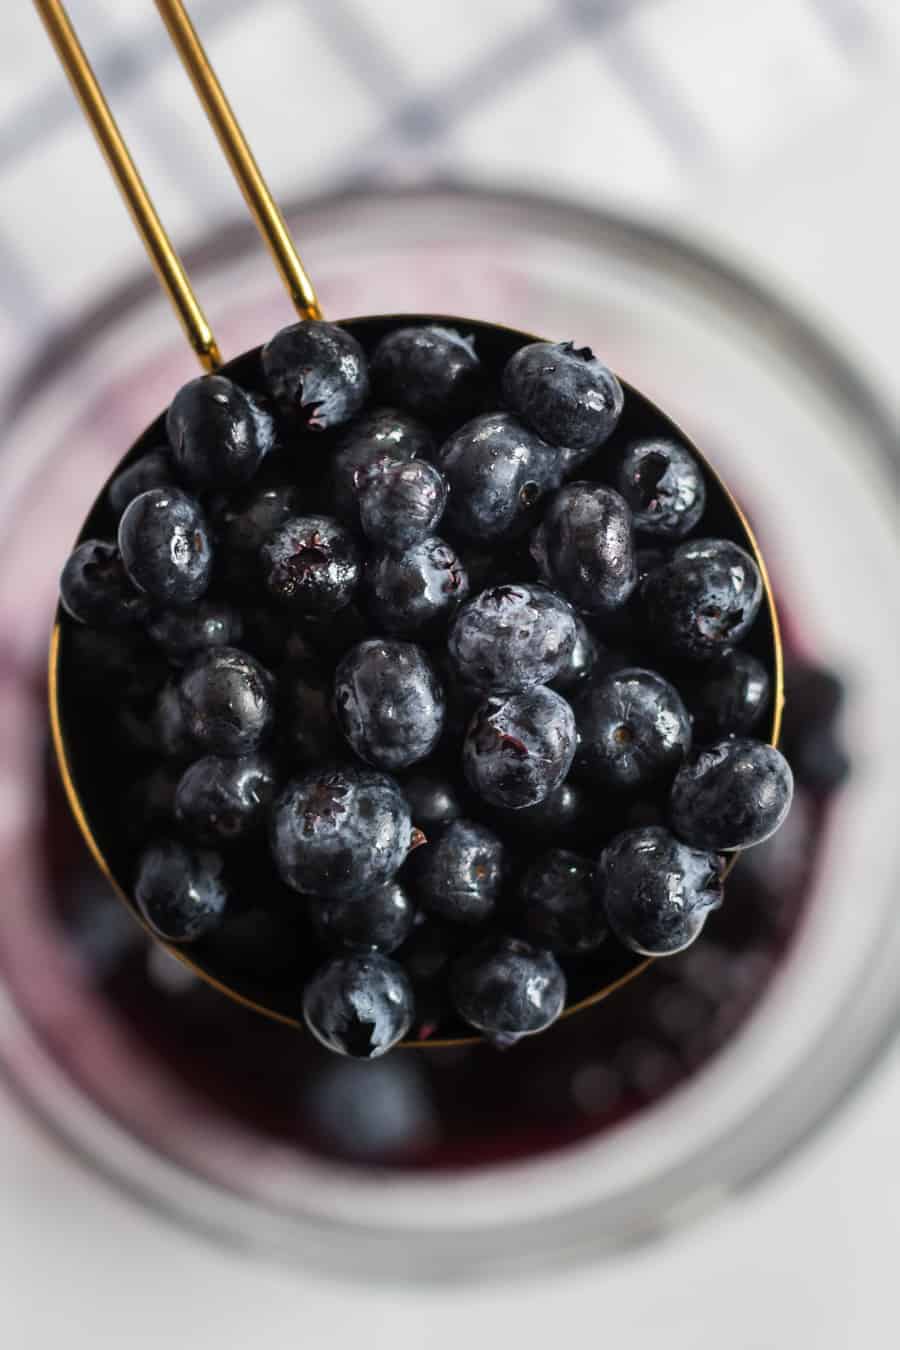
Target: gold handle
{"x": 168, "y": 265}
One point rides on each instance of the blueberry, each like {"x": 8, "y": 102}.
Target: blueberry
{"x": 704, "y": 599}
{"x": 341, "y": 831}
{"x": 222, "y": 801}
{"x": 154, "y": 469}
{"x": 389, "y": 703}
{"x": 374, "y": 440}
{"x": 94, "y": 588}
{"x": 402, "y": 505}
{"x": 180, "y": 891}
{"x": 379, "y": 921}
{"x": 226, "y": 698}
{"x": 317, "y": 373}
{"x": 731, "y": 794}
{"x": 433, "y": 802}
{"x": 432, "y": 371}
{"x": 165, "y": 546}
{"x": 498, "y": 472}
{"x": 657, "y": 892}
{"x": 581, "y": 660}
{"x": 519, "y": 747}
{"x": 359, "y": 1005}
{"x": 243, "y": 529}
{"x": 415, "y": 591}
{"x": 584, "y": 547}
{"x": 459, "y": 874}
{"x": 569, "y": 397}
{"x": 663, "y": 484}
{"x": 311, "y": 565}
{"x": 729, "y": 697}
{"x": 560, "y": 908}
{"x": 512, "y": 637}
{"x": 182, "y": 633}
{"x": 307, "y": 730}
{"x": 219, "y": 433}
{"x": 633, "y": 730}
{"x": 564, "y": 815}
{"x": 508, "y": 989}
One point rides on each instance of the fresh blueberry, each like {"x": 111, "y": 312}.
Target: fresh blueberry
{"x": 704, "y": 599}
{"x": 459, "y": 874}
{"x": 657, "y": 892}
{"x": 498, "y": 471}
{"x": 563, "y": 816}
{"x": 728, "y": 697}
{"x": 165, "y": 546}
{"x": 154, "y": 469}
{"x": 377, "y": 922}
{"x": 244, "y": 527}
{"x": 560, "y": 908}
{"x": 508, "y": 989}
{"x": 633, "y": 730}
{"x": 180, "y": 891}
{"x": 219, "y": 433}
{"x": 311, "y": 565}
{"x": 372, "y": 442}
{"x": 182, "y": 633}
{"x": 340, "y": 831}
{"x": 317, "y": 373}
{"x": 307, "y": 730}
{"x": 389, "y": 703}
{"x": 94, "y": 588}
{"x": 433, "y": 372}
{"x": 401, "y": 505}
{"x": 663, "y": 484}
{"x": 584, "y": 547}
{"x": 223, "y": 801}
{"x": 731, "y": 794}
{"x": 416, "y": 591}
{"x": 569, "y": 397}
{"x": 359, "y": 1005}
{"x": 519, "y": 747}
{"x": 581, "y": 661}
{"x": 433, "y": 802}
{"x": 512, "y": 637}
{"x": 227, "y": 701}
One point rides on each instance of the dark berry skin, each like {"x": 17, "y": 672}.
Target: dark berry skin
{"x": 402, "y": 505}
{"x": 416, "y": 591}
{"x": 244, "y": 528}
{"x": 373, "y": 441}
{"x": 359, "y": 1005}
{"x": 703, "y": 600}
{"x": 307, "y": 730}
{"x": 581, "y": 661}
{"x": 519, "y": 747}
{"x": 155, "y": 469}
{"x": 729, "y": 697}
{"x": 389, "y": 703}
{"x": 433, "y": 802}
{"x": 563, "y": 816}
{"x": 731, "y": 794}
{"x": 94, "y": 588}
{"x": 507, "y": 989}
{"x": 562, "y": 391}
{"x": 633, "y": 730}
{"x": 227, "y": 700}
{"x": 560, "y": 908}
{"x": 219, "y": 433}
{"x": 584, "y": 547}
{"x": 311, "y": 565}
{"x": 165, "y": 546}
{"x": 317, "y": 373}
{"x": 339, "y": 832}
{"x": 663, "y": 484}
{"x": 459, "y": 874}
{"x": 377, "y": 922}
{"x": 509, "y": 638}
{"x": 657, "y": 891}
{"x": 223, "y": 801}
{"x": 182, "y": 633}
{"x": 498, "y": 471}
{"x": 180, "y": 891}
{"x": 431, "y": 371}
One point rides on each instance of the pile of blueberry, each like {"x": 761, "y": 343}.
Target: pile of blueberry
{"x": 423, "y": 650}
